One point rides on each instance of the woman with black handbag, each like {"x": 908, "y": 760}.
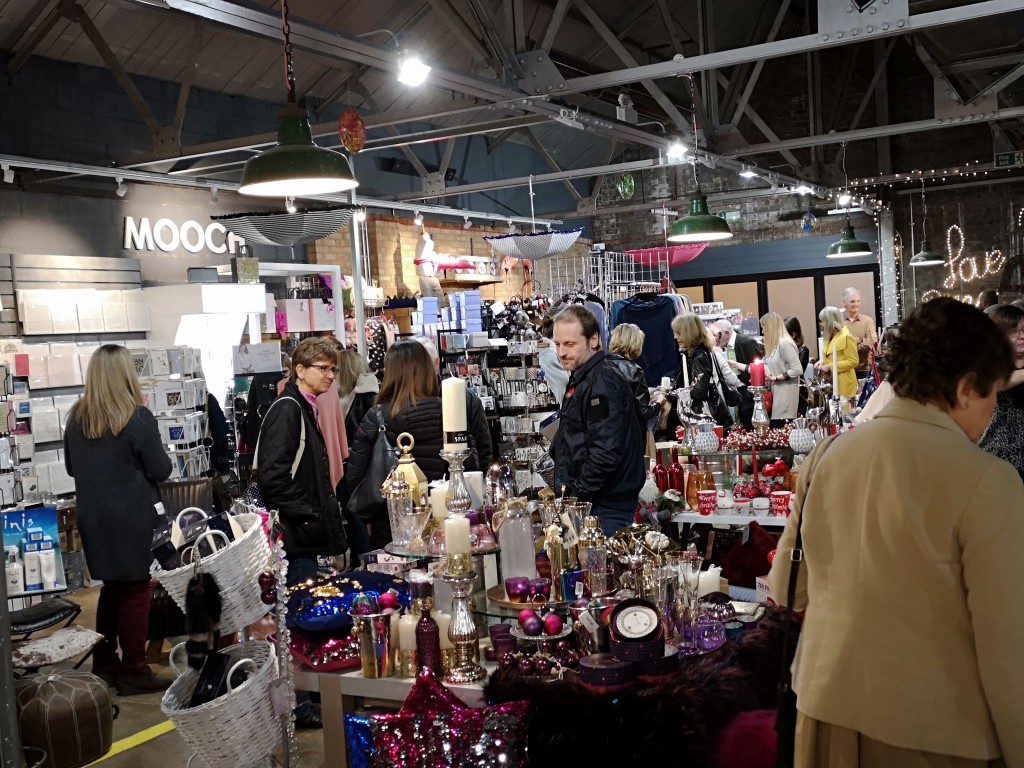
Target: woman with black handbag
{"x": 903, "y": 539}
{"x": 409, "y": 401}
{"x": 712, "y": 383}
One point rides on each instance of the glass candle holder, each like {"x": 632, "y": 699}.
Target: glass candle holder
{"x": 517, "y": 589}
{"x": 540, "y": 590}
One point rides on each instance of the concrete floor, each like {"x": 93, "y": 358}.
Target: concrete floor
{"x": 141, "y": 712}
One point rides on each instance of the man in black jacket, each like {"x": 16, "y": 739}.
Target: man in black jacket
{"x": 740, "y": 354}
{"x": 598, "y": 451}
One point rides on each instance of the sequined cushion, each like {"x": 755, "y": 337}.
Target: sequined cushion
{"x": 324, "y": 652}
{"x": 324, "y": 606}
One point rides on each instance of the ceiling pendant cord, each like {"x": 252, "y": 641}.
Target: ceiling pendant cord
{"x": 289, "y": 66}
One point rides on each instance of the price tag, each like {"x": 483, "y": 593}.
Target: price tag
{"x": 589, "y": 622}
{"x": 579, "y": 589}
{"x": 570, "y": 539}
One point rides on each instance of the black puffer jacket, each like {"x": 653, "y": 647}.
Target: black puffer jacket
{"x": 310, "y": 514}
{"x": 634, "y": 374}
{"x": 599, "y": 451}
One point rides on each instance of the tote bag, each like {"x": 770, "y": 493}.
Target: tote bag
{"x": 366, "y": 501}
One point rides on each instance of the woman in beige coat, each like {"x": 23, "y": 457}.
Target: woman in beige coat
{"x": 912, "y": 538}
{"x": 782, "y": 368}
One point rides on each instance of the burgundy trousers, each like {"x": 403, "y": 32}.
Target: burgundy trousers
{"x": 122, "y": 617}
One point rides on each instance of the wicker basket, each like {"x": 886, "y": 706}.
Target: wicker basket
{"x": 236, "y": 569}
{"x": 238, "y": 728}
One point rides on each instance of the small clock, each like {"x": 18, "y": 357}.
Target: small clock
{"x": 635, "y": 620}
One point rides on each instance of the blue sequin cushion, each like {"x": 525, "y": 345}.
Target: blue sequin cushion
{"x": 325, "y": 605}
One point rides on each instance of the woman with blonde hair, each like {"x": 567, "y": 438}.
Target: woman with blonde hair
{"x": 357, "y": 388}
{"x": 708, "y": 375}
{"x": 113, "y": 449}
{"x": 840, "y": 349}
{"x": 626, "y": 345}
{"x": 782, "y": 368}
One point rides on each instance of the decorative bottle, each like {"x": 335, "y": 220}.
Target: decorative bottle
{"x": 480, "y": 536}
{"x": 399, "y": 500}
{"x": 428, "y": 644}
{"x": 661, "y": 477}
{"x": 676, "y": 473}
{"x": 515, "y": 536}
{"x": 594, "y": 557}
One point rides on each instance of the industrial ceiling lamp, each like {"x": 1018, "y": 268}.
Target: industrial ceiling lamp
{"x": 296, "y": 167}
{"x": 848, "y": 244}
{"x": 411, "y": 69}
{"x": 925, "y": 257}
{"x": 699, "y": 226}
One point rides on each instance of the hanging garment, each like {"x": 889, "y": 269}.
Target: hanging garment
{"x": 654, "y": 317}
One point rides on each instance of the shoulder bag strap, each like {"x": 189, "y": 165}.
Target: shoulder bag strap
{"x": 302, "y": 438}
{"x": 796, "y": 557}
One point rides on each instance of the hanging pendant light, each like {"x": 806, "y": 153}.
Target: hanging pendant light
{"x": 847, "y": 244}
{"x": 925, "y": 257}
{"x": 296, "y": 167}
{"x": 699, "y": 225}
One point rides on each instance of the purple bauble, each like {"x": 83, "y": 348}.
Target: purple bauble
{"x": 533, "y": 626}
{"x": 541, "y": 665}
{"x": 508, "y": 662}
{"x": 526, "y": 666}
{"x": 266, "y": 580}
{"x": 268, "y": 596}
{"x": 571, "y": 659}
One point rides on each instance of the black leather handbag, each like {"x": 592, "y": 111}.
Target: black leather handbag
{"x": 366, "y": 501}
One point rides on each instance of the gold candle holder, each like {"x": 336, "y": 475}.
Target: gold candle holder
{"x": 406, "y": 663}
{"x": 459, "y": 565}
{"x": 463, "y": 632}
{"x": 449, "y": 658}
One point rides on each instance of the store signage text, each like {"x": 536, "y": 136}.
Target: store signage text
{"x": 168, "y": 236}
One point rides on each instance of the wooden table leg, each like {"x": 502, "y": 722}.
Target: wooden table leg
{"x": 334, "y": 706}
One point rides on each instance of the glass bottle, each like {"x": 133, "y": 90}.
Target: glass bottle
{"x": 518, "y": 553}
{"x": 399, "y": 501}
{"x": 676, "y": 473}
{"x": 594, "y": 557}
{"x": 480, "y": 536}
{"x": 428, "y": 644}
{"x": 661, "y": 478}
{"x": 698, "y": 480}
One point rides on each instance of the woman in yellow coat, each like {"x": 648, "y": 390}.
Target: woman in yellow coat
{"x": 841, "y": 347}
{"x": 909, "y": 655}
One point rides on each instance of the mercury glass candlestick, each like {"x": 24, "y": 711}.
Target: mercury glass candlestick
{"x": 463, "y": 632}
{"x": 457, "y": 500}
{"x": 760, "y": 419}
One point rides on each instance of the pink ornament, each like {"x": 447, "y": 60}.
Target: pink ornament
{"x": 552, "y": 624}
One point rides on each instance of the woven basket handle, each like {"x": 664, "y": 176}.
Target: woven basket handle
{"x": 170, "y": 659}
{"x": 236, "y": 665}
{"x": 177, "y": 520}
{"x": 202, "y": 537}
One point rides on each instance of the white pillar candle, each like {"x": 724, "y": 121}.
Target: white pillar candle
{"x": 438, "y": 510}
{"x": 396, "y": 630}
{"x": 821, "y": 348}
{"x": 686, "y": 372}
{"x": 835, "y": 369}
{"x": 444, "y": 621}
{"x": 407, "y": 633}
{"x": 453, "y": 412}
{"x": 456, "y": 535}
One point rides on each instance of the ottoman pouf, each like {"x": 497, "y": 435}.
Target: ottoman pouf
{"x": 69, "y": 714}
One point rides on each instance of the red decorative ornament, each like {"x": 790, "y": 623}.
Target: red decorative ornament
{"x": 351, "y": 130}
{"x": 266, "y": 580}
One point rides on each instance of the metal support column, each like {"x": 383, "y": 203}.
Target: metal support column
{"x": 888, "y": 278}
{"x": 357, "y": 280}
{"x": 10, "y": 735}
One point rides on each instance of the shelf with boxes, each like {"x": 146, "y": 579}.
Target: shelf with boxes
{"x": 72, "y": 311}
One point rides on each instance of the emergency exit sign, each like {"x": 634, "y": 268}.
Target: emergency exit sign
{"x": 1009, "y": 159}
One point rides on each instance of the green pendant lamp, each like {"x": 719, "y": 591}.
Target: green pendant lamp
{"x": 699, "y": 226}
{"x": 848, "y": 244}
{"x": 296, "y": 167}
{"x": 925, "y": 257}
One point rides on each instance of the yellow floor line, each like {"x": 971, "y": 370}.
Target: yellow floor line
{"x": 136, "y": 739}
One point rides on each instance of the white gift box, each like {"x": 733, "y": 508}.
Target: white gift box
{"x": 64, "y": 317}
{"x": 60, "y": 480}
{"x": 115, "y": 317}
{"x": 90, "y": 316}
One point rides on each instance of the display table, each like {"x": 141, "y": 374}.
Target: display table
{"x": 341, "y": 693}
{"x": 692, "y": 518}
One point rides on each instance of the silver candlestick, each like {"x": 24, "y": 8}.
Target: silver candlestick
{"x": 759, "y": 420}
{"x": 463, "y": 632}
{"x": 457, "y": 500}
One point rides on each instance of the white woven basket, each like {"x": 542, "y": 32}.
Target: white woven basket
{"x": 236, "y": 569}
{"x": 238, "y": 728}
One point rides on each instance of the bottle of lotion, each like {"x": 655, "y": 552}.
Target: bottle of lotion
{"x": 33, "y": 575}
{"x": 14, "y": 572}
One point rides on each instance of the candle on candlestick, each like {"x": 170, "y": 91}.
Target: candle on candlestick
{"x": 396, "y": 629}
{"x": 821, "y": 348}
{"x": 686, "y": 372}
{"x": 835, "y": 370}
{"x": 444, "y": 621}
{"x": 407, "y": 633}
{"x": 453, "y": 414}
{"x": 456, "y": 535}
{"x": 757, "y": 374}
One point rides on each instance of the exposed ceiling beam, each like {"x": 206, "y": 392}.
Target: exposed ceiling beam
{"x": 824, "y": 40}
{"x": 32, "y": 41}
{"x": 998, "y": 85}
{"x": 762, "y": 126}
{"x": 748, "y": 89}
{"x": 35, "y": 13}
{"x": 880, "y": 67}
{"x": 935, "y": 70}
{"x": 552, "y": 164}
{"x": 493, "y": 33}
{"x": 501, "y": 139}
{"x": 463, "y": 33}
{"x": 862, "y": 134}
{"x": 984, "y": 62}
{"x": 443, "y": 134}
{"x": 557, "y": 17}
{"x": 598, "y": 181}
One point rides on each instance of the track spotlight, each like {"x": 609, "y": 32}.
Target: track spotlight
{"x": 418, "y": 221}
{"x": 122, "y": 188}
{"x": 361, "y": 215}
{"x": 289, "y": 204}
{"x": 468, "y": 224}
{"x": 8, "y": 173}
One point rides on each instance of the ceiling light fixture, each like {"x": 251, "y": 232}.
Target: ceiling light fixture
{"x": 8, "y": 173}
{"x": 748, "y": 172}
{"x": 467, "y": 224}
{"x": 361, "y": 215}
{"x": 847, "y": 244}
{"x": 418, "y": 219}
{"x": 296, "y": 167}
{"x": 676, "y": 151}
{"x": 122, "y": 188}
{"x": 699, "y": 226}
{"x": 925, "y": 257}
{"x": 411, "y": 69}
{"x": 289, "y": 205}
{"x": 214, "y": 197}
{"x": 803, "y": 189}
{"x": 844, "y": 199}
